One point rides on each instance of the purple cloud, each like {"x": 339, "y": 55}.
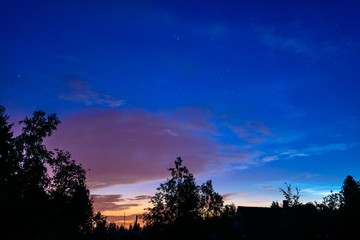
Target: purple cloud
{"x": 228, "y": 196}
{"x": 111, "y": 202}
{"x": 130, "y": 146}
{"x": 140, "y": 197}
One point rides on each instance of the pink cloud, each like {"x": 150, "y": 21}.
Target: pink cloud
{"x": 228, "y": 196}
{"x": 130, "y": 146}
{"x": 141, "y": 197}
{"x": 111, "y": 202}
{"x": 267, "y": 187}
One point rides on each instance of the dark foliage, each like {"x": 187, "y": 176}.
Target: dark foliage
{"x": 181, "y": 209}
{"x": 43, "y": 194}
{"x": 333, "y": 218}
{"x": 291, "y": 197}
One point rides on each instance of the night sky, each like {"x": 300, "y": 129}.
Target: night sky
{"x": 249, "y": 94}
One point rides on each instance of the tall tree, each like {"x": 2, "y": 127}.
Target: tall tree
{"x": 177, "y": 199}
{"x": 350, "y": 193}
{"x": 43, "y": 191}
{"x": 8, "y": 162}
{"x": 180, "y": 201}
{"x": 68, "y": 190}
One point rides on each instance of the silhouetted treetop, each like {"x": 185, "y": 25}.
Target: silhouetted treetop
{"x": 350, "y": 192}
{"x": 290, "y": 196}
{"x": 179, "y": 199}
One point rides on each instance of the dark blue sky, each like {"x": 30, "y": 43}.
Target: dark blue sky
{"x": 255, "y": 93}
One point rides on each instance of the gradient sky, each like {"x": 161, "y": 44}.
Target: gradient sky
{"x": 249, "y": 94}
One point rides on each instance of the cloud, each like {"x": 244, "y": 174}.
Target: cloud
{"x": 128, "y": 146}
{"x": 131, "y": 146}
{"x": 284, "y": 43}
{"x": 315, "y": 150}
{"x": 228, "y": 196}
{"x": 267, "y": 187}
{"x": 170, "y": 132}
{"x": 111, "y": 202}
{"x": 252, "y": 131}
{"x": 80, "y": 91}
{"x": 326, "y": 148}
{"x": 270, "y": 158}
{"x": 141, "y": 197}
{"x": 108, "y": 197}
{"x": 305, "y": 152}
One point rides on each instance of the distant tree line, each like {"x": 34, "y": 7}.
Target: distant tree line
{"x": 335, "y": 217}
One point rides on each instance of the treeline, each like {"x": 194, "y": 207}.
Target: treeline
{"x": 43, "y": 195}
{"x": 335, "y": 217}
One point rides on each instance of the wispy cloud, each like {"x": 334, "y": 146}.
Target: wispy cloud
{"x": 326, "y": 148}
{"x": 170, "y": 132}
{"x": 315, "y": 150}
{"x": 140, "y": 197}
{"x": 267, "y": 187}
{"x": 304, "y": 152}
{"x": 228, "y": 196}
{"x": 270, "y": 158}
{"x": 252, "y": 131}
{"x": 80, "y": 91}
{"x": 110, "y": 202}
{"x": 284, "y": 43}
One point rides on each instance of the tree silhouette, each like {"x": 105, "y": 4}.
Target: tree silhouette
{"x": 178, "y": 198}
{"x": 350, "y": 208}
{"x": 179, "y": 202}
{"x": 42, "y": 191}
{"x": 9, "y": 165}
{"x": 10, "y": 196}
{"x": 293, "y": 199}
{"x": 211, "y": 202}
{"x": 68, "y": 190}
{"x": 331, "y": 202}
{"x": 350, "y": 193}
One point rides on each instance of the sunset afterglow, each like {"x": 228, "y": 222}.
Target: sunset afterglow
{"x": 249, "y": 94}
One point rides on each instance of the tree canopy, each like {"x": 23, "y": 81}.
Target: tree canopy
{"x": 180, "y": 200}
{"x": 42, "y": 191}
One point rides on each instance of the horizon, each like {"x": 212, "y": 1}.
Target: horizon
{"x": 249, "y": 95}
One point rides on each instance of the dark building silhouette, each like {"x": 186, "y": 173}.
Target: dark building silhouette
{"x": 297, "y": 222}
